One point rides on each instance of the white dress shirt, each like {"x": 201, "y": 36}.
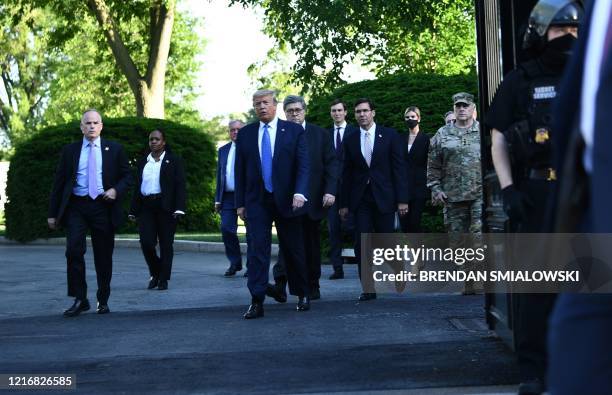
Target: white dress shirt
{"x": 590, "y": 77}
{"x": 372, "y": 131}
{"x": 150, "y": 176}
{"x": 229, "y": 168}
{"x": 81, "y": 187}
{"x": 341, "y": 131}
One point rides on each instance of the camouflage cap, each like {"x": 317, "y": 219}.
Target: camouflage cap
{"x": 463, "y": 97}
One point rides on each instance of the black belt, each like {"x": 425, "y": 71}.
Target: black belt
{"x": 153, "y": 196}
{"x": 86, "y": 198}
{"x": 547, "y": 174}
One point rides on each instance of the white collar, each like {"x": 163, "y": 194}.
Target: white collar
{"x": 161, "y": 157}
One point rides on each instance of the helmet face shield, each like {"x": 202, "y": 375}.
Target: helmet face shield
{"x": 547, "y": 13}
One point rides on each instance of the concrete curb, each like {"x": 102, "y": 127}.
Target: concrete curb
{"x": 179, "y": 245}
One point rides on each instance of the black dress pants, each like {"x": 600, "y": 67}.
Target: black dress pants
{"x": 154, "y": 223}
{"x": 83, "y": 214}
{"x": 312, "y": 248}
{"x": 369, "y": 219}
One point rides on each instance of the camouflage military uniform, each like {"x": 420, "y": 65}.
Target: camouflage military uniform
{"x": 454, "y": 168}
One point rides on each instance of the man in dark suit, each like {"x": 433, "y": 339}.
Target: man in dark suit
{"x": 579, "y": 334}
{"x": 272, "y": 170}
{"x": 91, "y": 178}
{"x": 374, "y": 181}
{"x": 322, "y": 186}
{"x": 338, "y": 133}
{"x": 224, "y": 200}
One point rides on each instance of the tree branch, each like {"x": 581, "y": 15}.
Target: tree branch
{"x": 120, "y": 52}
{"x": 162, "y": 21}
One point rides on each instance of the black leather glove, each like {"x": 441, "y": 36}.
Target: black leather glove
{"x": 515, "y": 204}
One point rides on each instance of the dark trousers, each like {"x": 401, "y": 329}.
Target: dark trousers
{"x": 411, "y": 222}
{"x": 312, "y": 250}
{"x": 154, "y": 223}
{"x": 580, "y": 345}
{"x": 335, "y": 237}
{"x": 229, "y": 230}
{"x": 533, "y": 310}
{"x": 84, "y": 214}
{"x": 289, "y": 230}
{"x": 369, "y": 219}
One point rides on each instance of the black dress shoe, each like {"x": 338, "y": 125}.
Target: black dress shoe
{"x": 255, "y": 311}
{"x": 230, "y": 272}
{"x": 367, "y": 296}
{"x": 303, "y": 304}
{"x": 102, "y": 309}
{"x": 77, "y": 307}
{"x": 278, "y": 294}
{"x": 315, "y": 294}
{"x": 163, "y": 285}
{"x": 153, "y": 282}
{"x": 246, "y": 273}
{"x": 337, "y": 275}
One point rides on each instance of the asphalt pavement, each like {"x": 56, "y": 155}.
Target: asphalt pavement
{"x": 192, "y": 339}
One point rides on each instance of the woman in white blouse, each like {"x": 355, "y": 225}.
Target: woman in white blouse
{"x": 157, "y": 203}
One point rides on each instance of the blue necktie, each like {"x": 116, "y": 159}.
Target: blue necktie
{"x": 266, "y": 159}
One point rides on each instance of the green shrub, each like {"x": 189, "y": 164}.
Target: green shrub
{"x": 33, "y": 165}
{"x": 392, "y": 95}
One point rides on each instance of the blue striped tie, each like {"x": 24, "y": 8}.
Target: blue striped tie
{"x": 266, "y": 159}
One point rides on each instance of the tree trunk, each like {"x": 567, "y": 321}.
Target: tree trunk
{"x": 148, "y": 90}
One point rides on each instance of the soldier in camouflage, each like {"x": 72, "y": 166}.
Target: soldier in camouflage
{"x": 454, "y": 175}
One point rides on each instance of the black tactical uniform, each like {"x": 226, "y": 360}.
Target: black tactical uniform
{"x": 521, "y": 110}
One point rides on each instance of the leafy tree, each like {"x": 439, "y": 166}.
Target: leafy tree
{"x": 431, "y": 36}
{"x": 26, "y": 68}
{"x": 89, "y": 76}
{"x": 116, "y": 18}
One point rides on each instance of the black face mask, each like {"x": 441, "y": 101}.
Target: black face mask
{"x": 557, "y": 51}
{"x": 412, "y": 123}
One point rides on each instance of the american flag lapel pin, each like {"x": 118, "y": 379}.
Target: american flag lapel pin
{"x": 167, "y": 161}
{"x": 106, "y": 148}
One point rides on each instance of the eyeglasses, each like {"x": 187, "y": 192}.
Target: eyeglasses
{"x": 294, "y": 111}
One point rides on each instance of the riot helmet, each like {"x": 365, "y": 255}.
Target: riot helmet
{"x": 548, "y": 13}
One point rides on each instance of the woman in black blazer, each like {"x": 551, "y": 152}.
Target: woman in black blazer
{"x": 417, "y": 148}
{"x": 158, "y": 201}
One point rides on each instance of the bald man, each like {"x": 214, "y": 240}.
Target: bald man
{"x": 92, "y": 176}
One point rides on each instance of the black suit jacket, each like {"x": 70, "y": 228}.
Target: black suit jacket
{"x": 171, "y": 181}
{"x": 222, "y": 155}
{"x": 348, "y": 130}
{"x": 572, "y": 191}
{"x": 290, "y": 169}
{"x": 417, "y": 166}
{"x": 116, "y": 173}
{"x": 324, "y": 170}
{"x": 387, "y": 173}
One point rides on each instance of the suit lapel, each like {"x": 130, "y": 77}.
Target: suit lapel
{"x": 76, "y": 156}
{"x": 379, "y": 138}
{"x": 281, "y": 135}
{"x": 106, "y": 161}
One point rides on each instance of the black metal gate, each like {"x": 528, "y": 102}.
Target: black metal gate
{"x": 499, "y": 28}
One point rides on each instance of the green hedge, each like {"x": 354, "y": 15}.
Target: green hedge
{"x": 391, "y": 95}
{"x": 32, "y": 170}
